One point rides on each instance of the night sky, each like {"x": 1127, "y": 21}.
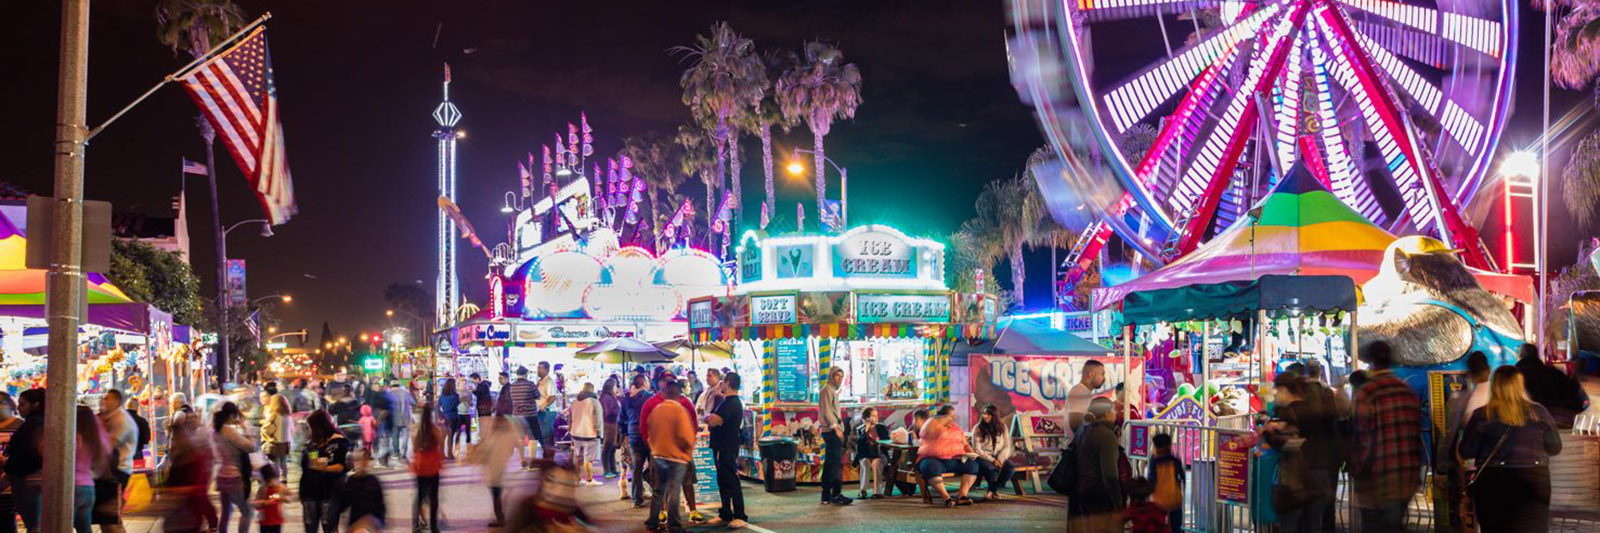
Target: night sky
{"x": 357, "y": 82}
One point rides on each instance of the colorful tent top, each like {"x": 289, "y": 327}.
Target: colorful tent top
{"x": 1298, "y": 229}
{"x": 1272, "y": 293}
{"x": 20, "y": 285}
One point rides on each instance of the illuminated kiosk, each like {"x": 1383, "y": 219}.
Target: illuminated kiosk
{"x": 560, "y": 294}
{"x": 871, "y": 300}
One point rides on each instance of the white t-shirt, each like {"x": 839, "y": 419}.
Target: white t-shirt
{"x": 1077, "y": 403}
{"x": 1479, "y": 398}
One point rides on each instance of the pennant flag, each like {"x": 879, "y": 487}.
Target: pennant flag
{"x": 253, "y": 323}
{"x": 547, "y": 163}
{"x": 588, "y": 134}
{"x": 191, "y": 167}
{"x": 527, "y": 179}
{"x": 632, "y": 216}
{"x": 236, "y": 93}
{"x": 724, "y": 214}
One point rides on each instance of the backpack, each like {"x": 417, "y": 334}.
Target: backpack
{"x": 1064, "y": 477}
{"x": 1168, "y": 491}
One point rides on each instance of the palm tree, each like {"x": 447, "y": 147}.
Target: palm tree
{"x": 695, "y": 159}
{"x": 1575, "y": 64}
{"x": 655, "y": 162}
{"x": 1007, "y": 222}
{"x": 761, "y": 120}
{"x": 819, "y": 90}
{"x": 724, "y": 82}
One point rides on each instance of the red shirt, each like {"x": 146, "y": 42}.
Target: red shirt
{"x": 1147, "y": 518}
{"x": 650, "y": 405}
{"x": 428, "y": 463}
{"x": 271, "y": 508}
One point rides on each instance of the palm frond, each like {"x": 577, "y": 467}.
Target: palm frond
{"x": 1580, "y": 181}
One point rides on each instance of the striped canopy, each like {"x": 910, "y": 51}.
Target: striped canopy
{"x": 20, "y": 285}
{"x": 1298, "y": 229}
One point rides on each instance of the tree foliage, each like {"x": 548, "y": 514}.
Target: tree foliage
{"x": 819, "y": 89}
{"x": 158, "y": 277}
{"x": 194, "y": 26}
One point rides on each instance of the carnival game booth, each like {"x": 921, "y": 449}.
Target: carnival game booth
{"x": 872, "y": 301}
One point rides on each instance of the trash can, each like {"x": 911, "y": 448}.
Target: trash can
{"x": 777, "y": 463}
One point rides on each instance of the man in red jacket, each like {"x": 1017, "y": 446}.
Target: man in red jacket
{"x": 644, "y": 429}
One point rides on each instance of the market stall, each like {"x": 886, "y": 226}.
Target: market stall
{"x": 871, "y": 301}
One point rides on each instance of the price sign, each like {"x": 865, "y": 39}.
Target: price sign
{"x": 1233, "y": 467}
{"x": 794, "y": 380}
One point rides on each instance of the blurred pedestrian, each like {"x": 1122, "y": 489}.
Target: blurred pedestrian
{"x": 1511, "y": 440}
{"x": 610, "y": 405}
{"x": 1093, "y": 506}
{"x": 187, "y": 478}
{"x": 1448, "y": 462}
{"x": 1552, "y": 388}
{"x": 1308, "y": 451}
{"x": 1143, "y": 515}
{"x": 1386, "y": 457}
{"x": 631, "y": 418}
{"x": 323, "y": 465}
{"x": 669, "y": 428}
{"x": 369, "y": 430}
{"x": 583, "y": 425}
{"x": 275, "y": 432}
{"x": 427, "y": 461}
{"x": 363, "y": 496}
{"x": 449, "y": 401}
{"x": 9, "y": 423}
{"x": 500, "y": 441}
{"x": 93, "y": 459}
{"x": 726, "y": 421}
{"x": 689, "y": 479}
{"x": 482, "y": 403}
{"x": 831, "y": 426}
{"x": 942, "y": 452}
{"x": 233, "y": 451}
{"x": 547, "y": 400}
{"x": 992, "y": 441}
{"x": 401, "y": 403}
{"x": 139, "y": 423}
{"x": 1166, "y": 473}
{"x": 523, "y": 394}
{"x": 123, "y": 436}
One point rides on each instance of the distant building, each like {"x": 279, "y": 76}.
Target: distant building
{"x": 166, "y": 233}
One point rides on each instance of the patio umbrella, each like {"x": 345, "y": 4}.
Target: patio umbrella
{"x": 694, "y": 352}
{"x": 625, "y": 350}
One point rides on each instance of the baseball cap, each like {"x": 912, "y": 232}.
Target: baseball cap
{"x": 667, "y": 377}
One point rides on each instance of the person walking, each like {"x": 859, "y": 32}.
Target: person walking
{"x": 501, "y": 439}
{"x": 992, "y": 441}
{"x": 269, "y": 500}
{"x": 831, "y": 426}
{"x": 93, "y": 458}
{"x": 140, "y": 424}
{"x": 1309, "y": 463}
{"x": 427, "y": 461}
{"x": 631, "y": 417}
{"x": 123, "y": 435}
{"x": 669, "y": 429}
{"x": 323, "y": 464}
{"x": 9, "y": 423}
{"x": 1550, "y": 387}
{"x": 482, "y": 403}
{"x": 275, "y": 432}
{"x": 726, "y": 421}
{"x": 524, "y": 394}
{"x": 363, "y": 497}
{"x": 610, "y": 405}
{"x": 1448, "y": 463}
{"x": 1093, "y": 506}
{"x": 868, "y": 453}
{"x": 583, "y": 424}
{"x": 1386, "y": 457}
{"x": 548, "y": 407}
{"x": 233, "y": 451}
{"x": 401, "y": 404}
{"x": 449, "y": 401}
{"x": 1511, "y": 440}
{"x": 942, "y": 452}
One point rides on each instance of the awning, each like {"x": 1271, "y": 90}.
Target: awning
{"x": 1273, "y": 293}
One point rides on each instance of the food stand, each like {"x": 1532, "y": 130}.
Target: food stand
{"x": 872, "y": 301}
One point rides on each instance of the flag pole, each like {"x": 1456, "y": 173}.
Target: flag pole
{"x": 179, "y": 74}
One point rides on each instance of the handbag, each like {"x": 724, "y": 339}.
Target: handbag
{"x": 1469, "y": 513}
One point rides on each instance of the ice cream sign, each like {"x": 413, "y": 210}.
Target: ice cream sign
{"x": 872, "y": 308}
{"x": 874, "y": 254}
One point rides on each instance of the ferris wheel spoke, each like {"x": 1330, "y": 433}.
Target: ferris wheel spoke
{"x": 1484, "y": 36}
{"x": 1345, "y": 178}
{"x": 1109, "y": 10}
{"x": 1135, "y": 99}
{"x": 1381, "y": 117}
{"x": 1405, "y": 41}
{"x": 1286, "y": 109}
{"x": 1414, "y": 85}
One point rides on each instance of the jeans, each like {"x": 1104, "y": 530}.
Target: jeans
{"x": 1513, "y": 499}
{"x": 427, "y": 489}
{"x": 28, "y": 505}
{"x": 669, "y": 477}
{"x": 497, "y": 493}
{"x": 82, "y": 508}
{"x": 996, "y": 475}
{"x": 728, "y": 486}
{"x": 547, "y": 430}
{"x": 608, "y": 450}
{"x": 1385, "y": 519}
{"x": 641, "y": 457}
{"x": 234, "y": 494}
{"x": 832, "y": 465}
{"x": 397, "y": 443}
{"x": 1308, "y": 519}
{"x": 321, "y": 512}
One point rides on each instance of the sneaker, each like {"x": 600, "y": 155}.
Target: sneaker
{"x": 861, "y": 495}
{"x": 841, "y": 500}
{"x": 738, "y": 524}
{"x": 697, "y": 517}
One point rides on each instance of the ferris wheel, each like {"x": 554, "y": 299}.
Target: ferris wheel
{"x": 1197, "y": 106}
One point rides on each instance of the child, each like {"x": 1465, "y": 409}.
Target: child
{"x": 867, "y": 453}
{"x": 369, "y": 429}
{"x": 1166, "y": 475}
{"x": 269, "y": 500}
{"x": 1147, "y": 517}
{"x": 363, "y": 496}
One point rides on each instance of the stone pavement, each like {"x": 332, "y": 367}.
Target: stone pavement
{"x": 467, "y": 507}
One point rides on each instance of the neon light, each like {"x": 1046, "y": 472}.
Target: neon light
{"x": 1414, "y": 16}
{"x": 1348, "y": 184}
{"x": 1478, "y": 34}
{"x": 1419, "y": 89}
{"x": 1133, "y": 100}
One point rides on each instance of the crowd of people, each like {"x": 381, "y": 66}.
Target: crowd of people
{"x": 1501, "y": 432}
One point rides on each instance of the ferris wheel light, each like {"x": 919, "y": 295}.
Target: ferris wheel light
{"x": 1521, "y": 163}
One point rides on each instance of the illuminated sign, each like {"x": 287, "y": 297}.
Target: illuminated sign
{"x": 372, "y": 364}
{"x": 276, "y": 345}
{"x": 701, "y": 313}
{"x": 573, "y": 332}
{"x": 750, "y": 261}
{"x": 874, "y": 254}
{"x": 640, "y": 302}
{"x": 874, "y": 308}
{"x": 794, "y": 261}
{"x": 765, "y": 310}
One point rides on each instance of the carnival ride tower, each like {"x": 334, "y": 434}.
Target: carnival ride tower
{"x": 447, "y": 287}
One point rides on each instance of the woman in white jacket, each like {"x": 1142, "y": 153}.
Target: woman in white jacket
{"x": 584, "y": 419}
{"x": 991, "y": 440}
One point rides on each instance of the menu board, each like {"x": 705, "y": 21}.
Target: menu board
{"x": 705, "y": 470}
{"x": 794, "y": 378}
{"x": 1233, "y": 468}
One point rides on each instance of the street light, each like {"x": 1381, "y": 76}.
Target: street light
{"x": 1521, "y": 163}
{"x": 280, "y": 297}
{"x": 795, "y": 168}
{"x": 223, "y": 294}
{"x": 266, "y": 226}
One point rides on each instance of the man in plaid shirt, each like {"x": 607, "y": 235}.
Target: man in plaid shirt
{"x": 1386, "y": 460}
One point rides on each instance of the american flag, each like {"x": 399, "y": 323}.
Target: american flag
{"x": 253, "y": 323}
{"x": 236, "y": 93}
{"x": 191, "y": 167}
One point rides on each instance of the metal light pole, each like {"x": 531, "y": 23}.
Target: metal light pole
{"x": 844, "y": 184}
{"x": 66, "y": 281}
{"x": 1542, "y": 224}
{"x": 224, "y": 301}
